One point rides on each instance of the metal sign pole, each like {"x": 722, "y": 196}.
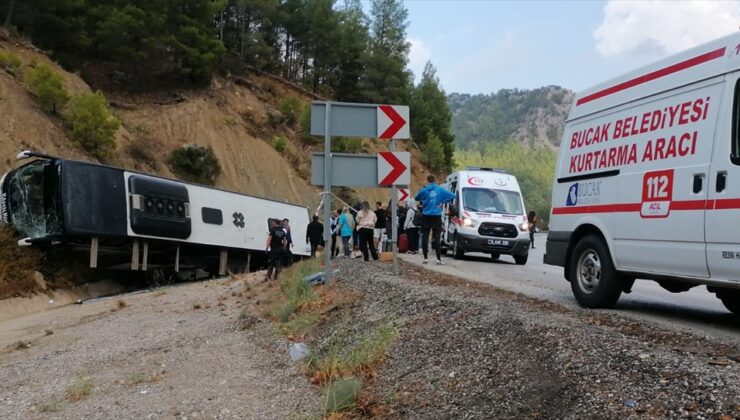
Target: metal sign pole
{"x": 327, "y": 196}
{"x": 394, "y": 218}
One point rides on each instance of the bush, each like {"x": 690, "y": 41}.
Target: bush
{"x": 291, "y": 108}
{"x": 195, "y": 163}
{"x": 10, "y": 62}
{"x": 305, "y": 127}
{"x": 92, "y": 124}
{"x": 342, "y": 394}
{"x": 347, "y": 145}
{"x": 280, "y": 144}
{"x": 48, "y": 87}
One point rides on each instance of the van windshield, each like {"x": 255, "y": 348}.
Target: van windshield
{"x": 484, "y": 200}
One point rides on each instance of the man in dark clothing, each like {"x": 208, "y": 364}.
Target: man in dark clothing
{"x": 379, "y": 223}
{"x": 288, "y": 254}
{"x": 275, "y": 249}
{"x": 314, "y": 234}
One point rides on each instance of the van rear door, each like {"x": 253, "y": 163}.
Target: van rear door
{"x": 723, "y": 205}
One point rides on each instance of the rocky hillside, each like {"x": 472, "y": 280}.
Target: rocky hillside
{"x": 534, "y": 117}
{"x": 241, "y": 118}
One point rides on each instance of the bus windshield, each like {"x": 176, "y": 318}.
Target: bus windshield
{"x": 484, "y": 200}
{"x": 32, "y": 199}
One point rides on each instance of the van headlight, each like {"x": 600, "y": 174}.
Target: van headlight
{"x": 468, "y": 222}
{"x": 524, "y": 227}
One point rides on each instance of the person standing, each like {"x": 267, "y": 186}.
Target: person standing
{"x": 288, "y": 253}
{"x": 346, "y": 228}
{"x": 532, "y": 219}
{"x": 366, "y": 221}
{"x": 333, "y": 226}
{"x": 275, "y": 248}
{"x": 314, "y": 234}
{"x": 379, "y": 223}
{"x": 410, "y": 226}
{"x": 432, "y": 197}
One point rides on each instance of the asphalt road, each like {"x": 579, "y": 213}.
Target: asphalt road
{"x": 696, "y": 311}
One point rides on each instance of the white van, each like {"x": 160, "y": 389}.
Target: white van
{"x": 647, "y": 183}
{"x": 487, "y": 215}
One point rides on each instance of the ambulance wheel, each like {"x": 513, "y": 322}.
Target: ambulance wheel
{"x": 521, "y": 259}
{"x": 495, "y": 256}
{"x": 457, "y": 252}
{"x": 594, "y": 281}
{"x": 731, "y": 300}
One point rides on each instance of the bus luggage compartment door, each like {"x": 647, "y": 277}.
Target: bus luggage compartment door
{"x": 159, "y": 207}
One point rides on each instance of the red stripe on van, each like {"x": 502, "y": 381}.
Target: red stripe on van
{"x": 683, "y": 65}
{"x": 722, "y": 204}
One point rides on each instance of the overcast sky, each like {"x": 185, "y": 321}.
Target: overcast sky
{"x": 485, "y": 45}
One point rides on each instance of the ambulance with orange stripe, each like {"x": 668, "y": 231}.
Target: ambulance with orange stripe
{"x": 647, "y": 184}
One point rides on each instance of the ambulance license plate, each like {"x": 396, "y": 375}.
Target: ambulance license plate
{"x": 497, "y": 242}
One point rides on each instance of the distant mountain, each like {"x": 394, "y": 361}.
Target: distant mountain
{"x": 533, "y": 117}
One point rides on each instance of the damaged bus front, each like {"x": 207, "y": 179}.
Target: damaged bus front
{"x": 30, "y": 200}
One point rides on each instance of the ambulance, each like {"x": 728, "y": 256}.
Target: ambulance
{"x": 647, "y": 183}
{"x": 486, "y": 216}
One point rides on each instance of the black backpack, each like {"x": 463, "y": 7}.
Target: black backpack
{"x": 417, "y": 218}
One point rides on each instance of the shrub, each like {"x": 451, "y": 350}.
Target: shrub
{"x": 347, "y": 145}
{"x": 195, "y": 163}
{"x": 305, "y": 128}
{"x": 10, "y": 62}
{"x": 92, "y": 124}
{"x": 342, "y": 394}
{"x": 280, "y": 144}
{"x": 291, "y": 108}
{"x": 48, "y": 87}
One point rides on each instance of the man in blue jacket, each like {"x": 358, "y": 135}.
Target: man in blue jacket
{"x": 432, "y": 197}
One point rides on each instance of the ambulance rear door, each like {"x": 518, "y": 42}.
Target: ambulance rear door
{"x": 723, "y": 205}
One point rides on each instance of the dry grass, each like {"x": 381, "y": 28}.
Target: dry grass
{"x": 51, "y": 406}
{"x": 80, "y": 388}
{"x": 18, "y": 266}
{"x": 142, "y": 378}
{"x": 120, "y": 304}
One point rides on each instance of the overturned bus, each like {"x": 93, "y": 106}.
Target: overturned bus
{"x": 131, "y": 220}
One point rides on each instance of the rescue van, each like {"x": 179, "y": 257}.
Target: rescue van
{"x": 486, "y": 216}
{"x": 647, "y": 182}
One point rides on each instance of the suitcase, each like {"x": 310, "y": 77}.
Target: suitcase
{"x": 403, "y": 243}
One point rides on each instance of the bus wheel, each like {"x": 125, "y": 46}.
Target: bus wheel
{"x": 731, "y": 300}
{"x": 594, "y": 281}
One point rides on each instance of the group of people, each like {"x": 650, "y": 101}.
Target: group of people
{"x": 365, "y": 228}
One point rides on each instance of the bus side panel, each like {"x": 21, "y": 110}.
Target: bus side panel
{"x": 93, "y": 200}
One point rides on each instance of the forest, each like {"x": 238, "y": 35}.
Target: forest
{"x": 334, "y": 49}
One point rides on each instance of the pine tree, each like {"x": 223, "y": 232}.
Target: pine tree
{"x": 386, "y": 79}
{"x": 430, "y": 113}
{"x": 352, "y": 50}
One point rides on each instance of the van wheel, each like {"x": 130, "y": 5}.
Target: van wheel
{"x": 594, "y": 281}
{"x": 495, "y": 255}
{"x": 731, "y": 300}
{"x": 457, "y": 252}
{"x": 521, "y": 259}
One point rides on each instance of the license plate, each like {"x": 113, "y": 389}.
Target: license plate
{"x": 497, "y": 242}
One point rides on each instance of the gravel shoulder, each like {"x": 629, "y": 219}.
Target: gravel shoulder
{"x": 179, "y": 352}
{"x": 470, "y": 350}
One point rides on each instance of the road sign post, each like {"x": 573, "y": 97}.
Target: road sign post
{"x": 385, "y": 169}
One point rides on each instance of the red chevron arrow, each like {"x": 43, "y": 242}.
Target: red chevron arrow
{"x": 404, "y": 194}
{"x": 398, "y": 168}
{"x": 397, "y": 121}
